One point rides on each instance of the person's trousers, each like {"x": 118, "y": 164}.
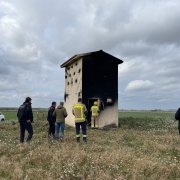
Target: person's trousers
{"x": 62, "y": 127}
{"x": 95, "y": 121}
{"x": 81, "y": 125}
{"x": 51, "y": 129}
{"x": 26, "y": 126}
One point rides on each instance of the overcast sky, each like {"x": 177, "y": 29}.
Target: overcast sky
{"x": 37, "y": 36}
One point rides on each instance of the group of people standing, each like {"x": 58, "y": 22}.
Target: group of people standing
{"x": 56, "y": 118}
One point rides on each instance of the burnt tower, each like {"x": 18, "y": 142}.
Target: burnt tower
{"x": 93, "y": 77}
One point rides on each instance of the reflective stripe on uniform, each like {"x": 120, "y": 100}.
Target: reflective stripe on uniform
{"x": 77, "y": 135}
{"x": 84, "y": 135}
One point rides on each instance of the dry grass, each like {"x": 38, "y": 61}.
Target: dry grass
{"x": 125, "y": 153}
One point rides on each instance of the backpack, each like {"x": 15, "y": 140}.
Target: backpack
{"x": 22, "y": 112}
{"x": 177, "y": 114}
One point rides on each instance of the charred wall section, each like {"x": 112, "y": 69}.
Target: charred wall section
{"x": 100, "y": 80}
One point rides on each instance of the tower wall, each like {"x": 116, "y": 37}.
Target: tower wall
{"x": 73, "y": 88}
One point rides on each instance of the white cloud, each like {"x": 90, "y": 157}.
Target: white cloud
{"x": 37, "y": 36}
{"x": 139, "y": 85}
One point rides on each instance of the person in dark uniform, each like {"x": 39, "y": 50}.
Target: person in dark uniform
{"x": 25, "y": 117}
{"x": 177, "y": 117}
{"x": 51, "y": 119}
{"x": 79, "y": 111}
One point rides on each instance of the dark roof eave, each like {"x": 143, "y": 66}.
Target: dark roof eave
{"x": 75, "y": 57}
{"x": 71, "y": 60}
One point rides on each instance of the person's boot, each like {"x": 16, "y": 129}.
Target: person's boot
{"x": 49, "y": 136}
{"x": 85, "y": 139}
{"x": 96, "y": 126}
{"x": 78, "y": 139}
{"x": 92, "y": 125}
{"x": 62, "y": 138}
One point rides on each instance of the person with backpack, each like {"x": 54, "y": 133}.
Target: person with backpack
{"x": 60, "y": 114}
{"x": 25, "y": 117}
{"x": 51, "y": 119}
{"x": 177, "y": 117}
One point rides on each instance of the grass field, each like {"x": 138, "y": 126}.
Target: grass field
{"x": 145, "y": 146}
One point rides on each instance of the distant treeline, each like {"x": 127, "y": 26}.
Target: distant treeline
{"x": 15, "y": 109}
{"x": 152, "y": 110}
{"x": 120, "y": 110}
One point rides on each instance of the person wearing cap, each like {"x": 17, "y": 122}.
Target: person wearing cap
{"x": 95, "y": 114}
{"x": 25, "y": 117}
{"x": 60, "y": 114}
{"x": 51, "y": 119}
{"x": 79, "y": 111}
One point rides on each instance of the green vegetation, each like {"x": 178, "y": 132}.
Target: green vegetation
{"x": 146, "y": 146}
{"x": 10, "y": 115}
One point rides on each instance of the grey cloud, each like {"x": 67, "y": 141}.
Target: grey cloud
{"x": 37, "y": 36}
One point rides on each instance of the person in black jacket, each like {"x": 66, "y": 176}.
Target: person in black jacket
{"x": 177, "y": 117}
{"x": 51, "y": 119}
{"x": 25, "y": 117}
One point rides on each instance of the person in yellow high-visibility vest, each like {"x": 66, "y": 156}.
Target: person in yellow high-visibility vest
{"x": 95, "y": 115}
{"x": 79, "y": 111}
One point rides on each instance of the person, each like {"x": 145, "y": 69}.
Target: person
{"x": 101, "y": 105}
{"x": 79, "y": 111}
{"x": 51, "y": 119}
{"x": 25, "y": 117}
{"x": 95, "y": 115}
{"x": 60, "y": 114}
{"x": 177, "y": 117}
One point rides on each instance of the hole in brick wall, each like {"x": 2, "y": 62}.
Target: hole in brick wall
{"x": 71, "y": 81}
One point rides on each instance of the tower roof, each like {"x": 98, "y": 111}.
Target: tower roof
{"x": 100, "y": 52}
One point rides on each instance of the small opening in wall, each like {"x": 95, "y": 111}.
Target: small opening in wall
{"x": 79, "y": 71}
{"x": 76, "y": 64}
{"x": 69, "y": 75}
{"x": 65, "y": 96}
{"x": 65, "y": 77}
{"x": 74, "y": 73}
{"x": 67, "y": 83}
{"x": 76, "y": 81}
{"x": 68, "y": 68}
{"x": 71, "y": 81}
{"x": 71, "y": 66}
